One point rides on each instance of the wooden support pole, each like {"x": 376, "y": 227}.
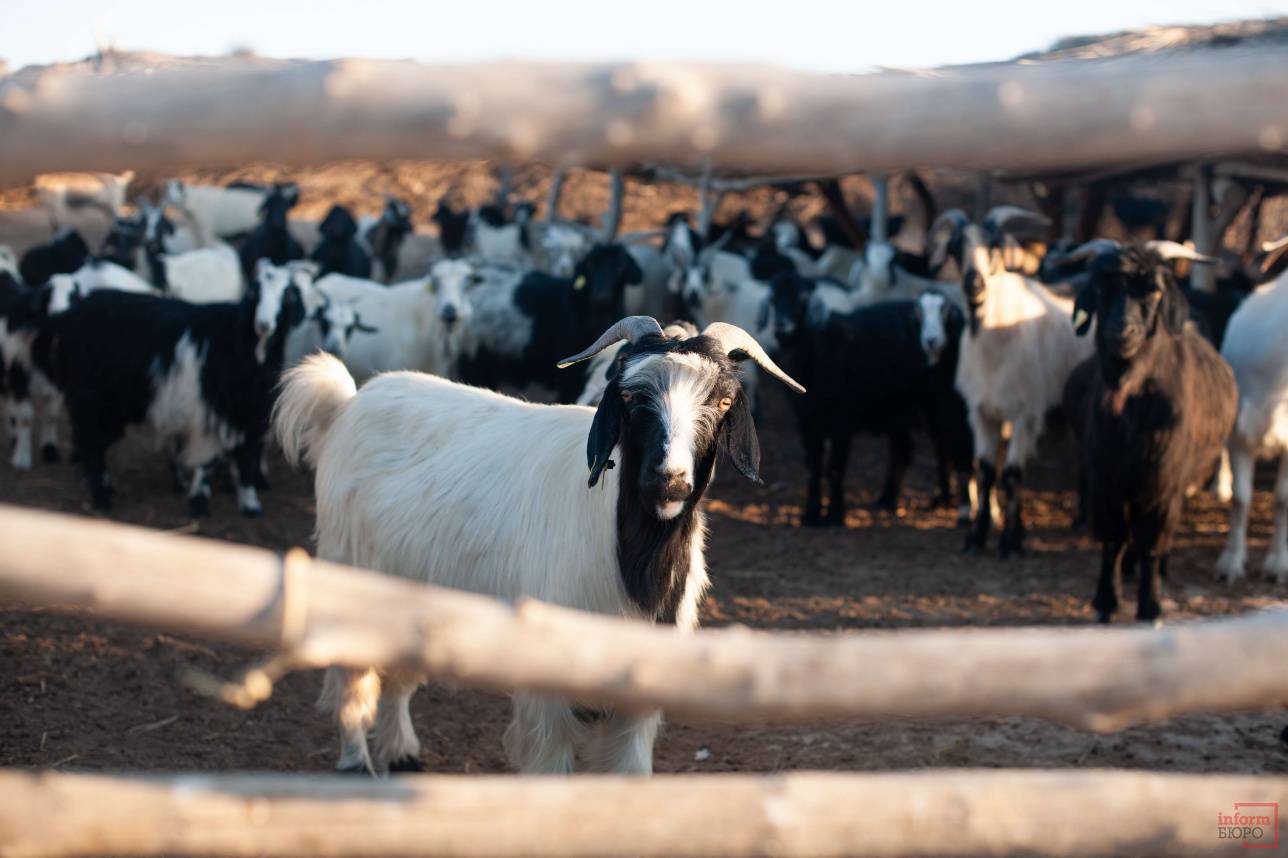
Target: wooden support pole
{"x": 613, "y": 217}
{"x": 811, "y": 815}
{"x": 320, "y": 614}
{"x": 1203, "y": 231}
{"x": 222, "y": 112}
{"x": 556, "y": 191}
{"x": 880, "y": 206}
{"x": 983, "y": 195}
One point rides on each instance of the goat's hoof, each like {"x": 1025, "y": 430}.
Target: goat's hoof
{"x": 972, "y": 548}
{"x": 252, "y": 511}
{"x": 1150, "y": 614}
{"x": 811, "y": 521}
{"x": 833, "y": 521}
{"x": 199, "y": 506}
{"x": 355, "y": 769}
{"x": 49, "y": 454}
{"x": 407, "y": 765}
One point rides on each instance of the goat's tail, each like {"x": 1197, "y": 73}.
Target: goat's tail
{"x": 308, "y": 402}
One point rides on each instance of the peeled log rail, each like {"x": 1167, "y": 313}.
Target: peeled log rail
{"x": 321, "y": 614}
{"x": 1057, "y": 115}
{"x": 929, "y": 813}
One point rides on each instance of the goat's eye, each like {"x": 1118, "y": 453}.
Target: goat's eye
{"x": 626, "y": 396}
{"x": 725, "y": 404}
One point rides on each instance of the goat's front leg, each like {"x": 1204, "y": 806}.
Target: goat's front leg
{"x": 1105, "y": 601}
{"x": 1145, "y": 546}
{"x": 1233, "y": 560}
{"x": 1276, "y": 562}
{"x": 51, "y": 411}
{"x": 812, "y": 436}
{"x": 543, "y": 735}
{"x": 988, "y": 438}
{"x": 622, "y": 744}
{"x": 1023, "y": 443}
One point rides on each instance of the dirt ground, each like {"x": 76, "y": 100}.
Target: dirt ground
{"x": 82, "y": 694}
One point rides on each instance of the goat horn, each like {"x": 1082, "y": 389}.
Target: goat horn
{"x": 1175, "y": 250}
{"x": 1091, "y": 249}
{"x": 1272, "y": 246}
{"x": 1002, "y": 218}
{"x": 631, "y": 329}
{"x": 956, "y": 217}
{"x": 733, "y": 338}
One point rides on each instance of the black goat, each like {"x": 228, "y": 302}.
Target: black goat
{"x": 521, "y": 327}
{"x": 339, "y": 251}
{"x": 883, "y": 369}
{"x": 65, "y": 253}
{"x": 453, "y": 228}
{"x": 385, "y": 237}
{"x": 272, "y": 239}
{"x": 1153, "y": 416}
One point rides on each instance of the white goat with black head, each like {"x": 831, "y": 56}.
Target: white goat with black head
{"x": 1017, "y": 351}
{"x": 429, "y": 480}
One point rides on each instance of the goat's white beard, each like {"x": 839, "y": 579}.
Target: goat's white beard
{"x": 669, "y": 510}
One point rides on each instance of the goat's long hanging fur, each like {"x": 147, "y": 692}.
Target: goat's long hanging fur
{"x": 434, "y": 481}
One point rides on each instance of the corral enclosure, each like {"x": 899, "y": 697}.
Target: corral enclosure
{"x": 89, "y": 695}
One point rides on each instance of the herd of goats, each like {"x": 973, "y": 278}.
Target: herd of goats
{"x": 216, "y": 320}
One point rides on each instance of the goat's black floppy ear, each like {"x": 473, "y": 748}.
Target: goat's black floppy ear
{"x": 604, "y": 431}
{"x": 740, "y": 441}
{"x": 632, "y": 272}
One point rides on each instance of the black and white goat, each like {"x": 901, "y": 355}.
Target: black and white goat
{"x": 202, "y": 376}
{"x": 885, "y": 369}
{"x": 408, "y": 464}
{"x": 218, "y": 212}
{"x": 340, "y": 251}
{"x": 1155, "y": 418}
{"x": 522, "y": 324}
{"x": 1017, "y": 351}
{"x": 271, "y": 238}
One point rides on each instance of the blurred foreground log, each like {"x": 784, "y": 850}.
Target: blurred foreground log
{"x": 1057, "y": 115}
{"x": 319, "y": 614}
{"x": 929, "y": 813}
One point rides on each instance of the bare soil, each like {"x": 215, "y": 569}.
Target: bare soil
{"x": 84, "y": 694}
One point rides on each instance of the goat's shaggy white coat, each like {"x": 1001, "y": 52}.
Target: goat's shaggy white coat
{"x": 1014, "y": 368}
{"x": 433, "y": 481}
{"x": 1257, "y": 350}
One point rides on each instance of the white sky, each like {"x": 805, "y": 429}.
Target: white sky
{"x": 850, "y": 35}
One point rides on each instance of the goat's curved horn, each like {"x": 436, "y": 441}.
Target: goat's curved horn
{"x": 1007, "y": 218}
{"x": 1089, "y": 250}
{"x": 1272, "y": 246}
{"x": 733, "y": 338}
{"x": 1175, "y": 250}
{"x": 941, "y": 232}
{"x": 954, "y": 217}
{"x": 1273, "y": 251}
{"x": 631, "y": 329}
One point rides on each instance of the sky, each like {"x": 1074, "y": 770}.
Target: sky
{"x": 817, "y": 35}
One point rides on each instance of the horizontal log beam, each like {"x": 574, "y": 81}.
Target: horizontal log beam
{"x": 321, "y": 614}
{"x": 929, "y": 813}
{"x": 745, "y": 118}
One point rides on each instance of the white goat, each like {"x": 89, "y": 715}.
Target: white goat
{"x": 216, "y": 211}
{"x": 411, "y": 325}
{"x": 432, "y": 481}
{"x": 880, "y": 278}
{"x": 1017, "y": 351}
{"x": 62, "y": 192}
{"x": 1257, "y": 351}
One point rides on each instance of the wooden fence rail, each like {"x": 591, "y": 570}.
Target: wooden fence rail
{"x": 927, "y": 813}
{"x": 319, "y": 614}
{"x": 1058, "y": 115}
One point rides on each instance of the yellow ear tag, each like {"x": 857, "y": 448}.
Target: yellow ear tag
{"x": 1079, "y": 317}
{"x": 580, "y": 282}
{"x": 429, "y": 286}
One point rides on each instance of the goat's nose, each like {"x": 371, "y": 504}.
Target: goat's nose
{"x": 449, "y": 315}
{"x": 263, "y": 328}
